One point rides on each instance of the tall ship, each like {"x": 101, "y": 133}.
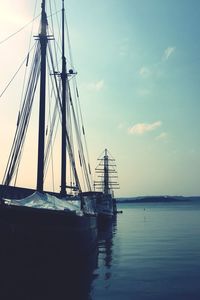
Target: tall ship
{"x": 66, "y": 214}
{"x": 106, "y": 182}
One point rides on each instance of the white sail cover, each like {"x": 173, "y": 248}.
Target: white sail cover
{"x": 47, "y": 201}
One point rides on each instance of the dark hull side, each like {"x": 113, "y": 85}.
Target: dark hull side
{"x": 104, "y": 220}
{"x": 32, "y": 226}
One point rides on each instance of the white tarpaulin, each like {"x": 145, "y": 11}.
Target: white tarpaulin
{"x": 39, "y": 200}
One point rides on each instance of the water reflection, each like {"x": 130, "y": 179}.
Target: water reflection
{"x": 34, "y": 271}
{"x": 39, "y": 272}
{"x": 105, "y": 255}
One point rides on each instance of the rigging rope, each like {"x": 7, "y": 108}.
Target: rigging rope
{"x": 29, "y": 47}
{"x": 80, "y": 144}
{"x": 59, "y": 34}
{"x": 51, "y": 146}
{"x": 15, "y": 74}
{"x": 25, "y": 112}
{"x": 19, "y": 30}
{"x": 70, "y": 150}
{"x": 22, "y": 125}
{"x": 79, "y": 112}
{"x": 54, "y": 121}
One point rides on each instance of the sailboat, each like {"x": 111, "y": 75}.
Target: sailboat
{"x": 50, "y": 216}
{"x": 106, "y": 171}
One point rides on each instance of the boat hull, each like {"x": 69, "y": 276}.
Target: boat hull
{"x": 104, "y": 220}
{"x": 58, "y": 229}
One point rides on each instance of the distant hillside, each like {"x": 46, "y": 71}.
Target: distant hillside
{"x": 159, "y": 199}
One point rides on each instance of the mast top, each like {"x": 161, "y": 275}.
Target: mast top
{"x": 43, "y": 4}
{"x": 43, "y": 19}
{"x": 106, "y": 152}
{"x": 63, "y": 5}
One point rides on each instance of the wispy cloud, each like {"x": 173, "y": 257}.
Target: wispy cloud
{"x": 168, "y": 52}
{"x": 143, "y": 92}
{"x": 161, "y": 137}
{"x": 144, "y": 72}
{"x": 141, "y": 128}
{"x": 96, "y": 86}
{"x": 155, "y": 71}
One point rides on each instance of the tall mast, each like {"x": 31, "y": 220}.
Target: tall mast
{"x": 41, "y": 135}
{"x": 64, "y": 93}
{"x": 106, "y": 173}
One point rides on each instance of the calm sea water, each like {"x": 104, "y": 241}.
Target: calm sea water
{"x": 154, "y": 253}
{"x": 151, "y": 252}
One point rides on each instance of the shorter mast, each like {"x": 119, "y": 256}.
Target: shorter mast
{"x": 106, "y": 173}
{"x": 41, "y": 136}
{"x": 64, "y": 94}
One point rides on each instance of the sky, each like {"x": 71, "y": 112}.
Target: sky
{"x": 138, "y": 64}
